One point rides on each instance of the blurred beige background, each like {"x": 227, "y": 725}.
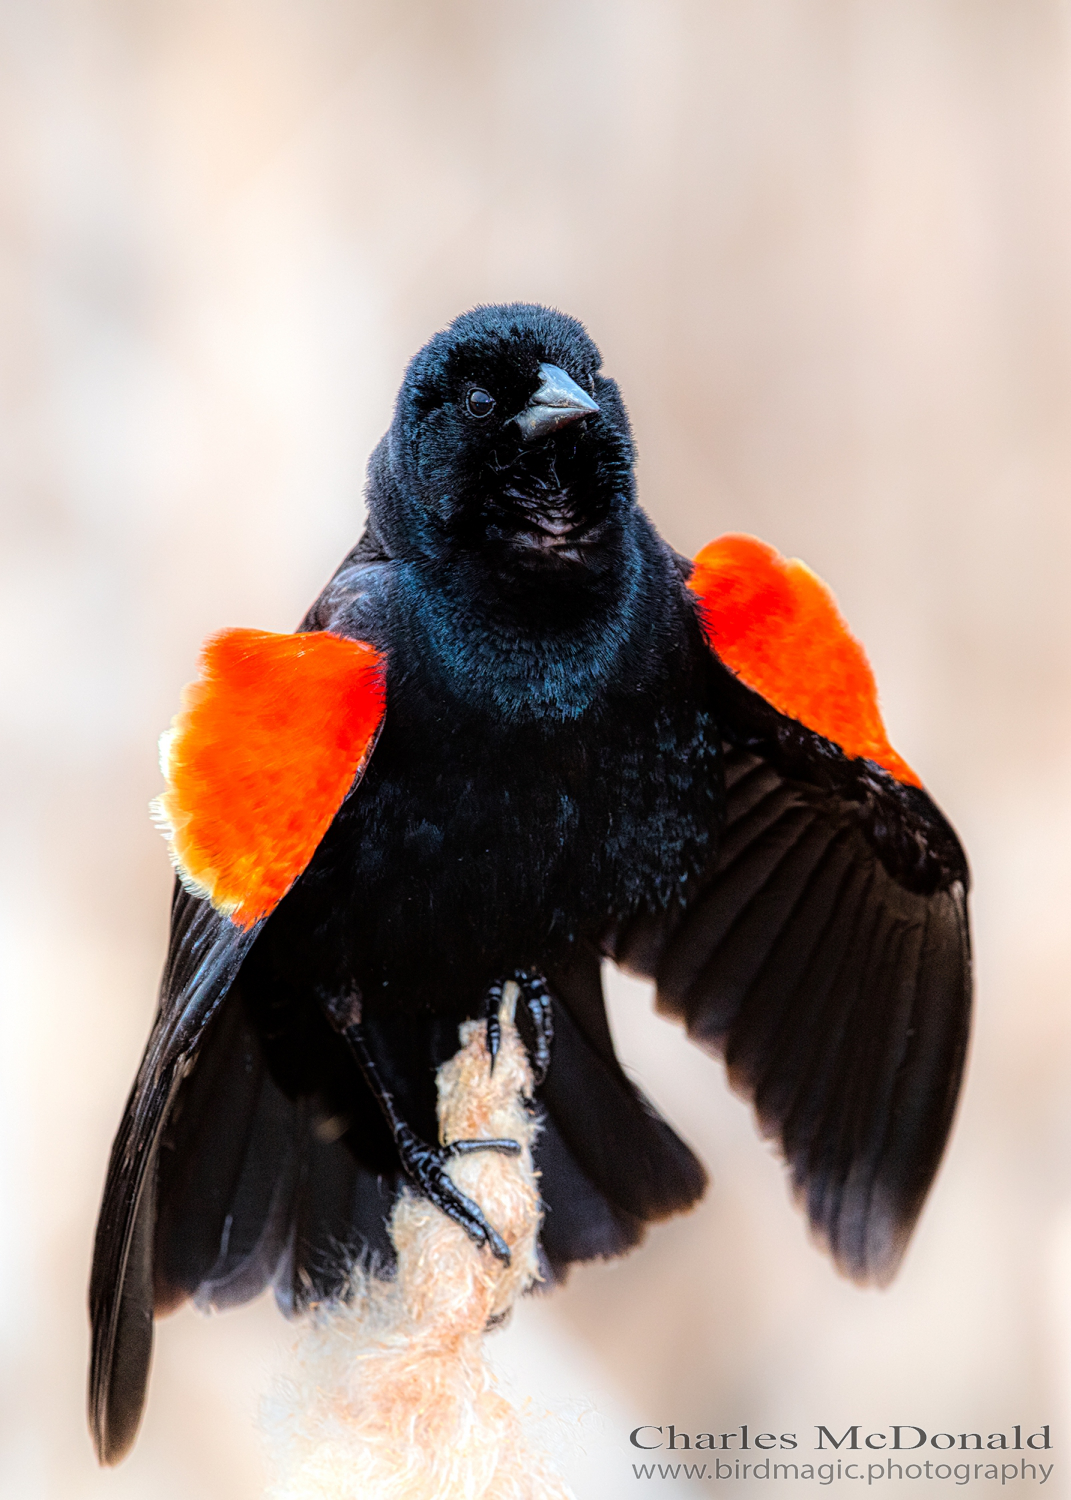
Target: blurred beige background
{"x": 826, "y": 249}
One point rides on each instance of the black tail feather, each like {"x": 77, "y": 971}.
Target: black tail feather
{"x": 623, "y": 1149}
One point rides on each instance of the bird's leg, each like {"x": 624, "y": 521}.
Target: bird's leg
{"x": 535, "y": 997}
{"x": 423, "y": 1164}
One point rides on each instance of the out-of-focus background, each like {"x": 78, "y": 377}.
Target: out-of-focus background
{"x": 825, "y": 246}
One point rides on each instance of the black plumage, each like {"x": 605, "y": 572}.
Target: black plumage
{"x": 565, "y": 771}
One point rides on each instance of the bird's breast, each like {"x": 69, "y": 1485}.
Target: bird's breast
{"x": 474, "y": 845}
{"x": 530, "y": 786}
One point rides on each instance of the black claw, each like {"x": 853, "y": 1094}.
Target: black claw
{"x": 494, "y": 1025}
{"x": 494, "y": 1038}
{"x": 425, "y": 1167}
{"x": 497, "y": 1246}
{"x": 467, "y": 1214}
{"x": 537, "y": 1003}
{"x": 535, "y": 997}
{"x": 465, "y": 1148}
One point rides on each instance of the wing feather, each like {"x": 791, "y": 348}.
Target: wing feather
{"x": 614, "y": 1136}
{"x": 270, "y": 741}
{"x": 121, "y": 1282}
{"x": 833, "y": 974}
{"x": 826, "y": 952}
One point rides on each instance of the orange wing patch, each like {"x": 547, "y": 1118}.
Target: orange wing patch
{"x": 268, "y": 743}
{"x": 777, "y": 626}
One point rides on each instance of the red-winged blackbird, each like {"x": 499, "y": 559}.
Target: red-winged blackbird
{"x": 517, "y": 733}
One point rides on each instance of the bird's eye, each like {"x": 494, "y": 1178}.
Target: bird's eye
{"x": 480, "y": 403}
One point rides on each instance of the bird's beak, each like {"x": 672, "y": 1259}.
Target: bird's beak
{"x": 558, "y": 401}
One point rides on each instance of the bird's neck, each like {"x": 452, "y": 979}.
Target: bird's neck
{"x": 528, "y": 652}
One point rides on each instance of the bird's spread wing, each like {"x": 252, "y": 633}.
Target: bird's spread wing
{"x": 826, "y": 955}
{"x": 271, "y": 739}
{"x": 269, "y": 742}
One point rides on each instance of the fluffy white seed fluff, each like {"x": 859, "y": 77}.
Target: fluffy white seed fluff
{"x": 391, "y": 1396}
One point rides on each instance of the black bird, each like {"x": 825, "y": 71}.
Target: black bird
{"x": 517, "y": 734}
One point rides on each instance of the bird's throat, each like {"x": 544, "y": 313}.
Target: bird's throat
{"x": 536, "y": 642}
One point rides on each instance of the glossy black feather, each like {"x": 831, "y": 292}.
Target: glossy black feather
{"x": 614, "y": 1135}
{"x": 579, "y": 1222}
{"x": 205, "y": 957}
{"x": 223, "y": 1158}
{"x": 838, "y": 994}
{"x": 338, "y": 1216}
{"x": 564, "y": 770}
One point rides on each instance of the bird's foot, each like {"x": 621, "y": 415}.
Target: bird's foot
{"x": 534, "y": 996}
{"x": 425, "y": 1166}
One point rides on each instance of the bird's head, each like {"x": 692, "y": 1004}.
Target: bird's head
{"x": 508, "y": 449}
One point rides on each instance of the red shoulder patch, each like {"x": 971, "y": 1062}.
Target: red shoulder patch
{"x": 268, "y": 743}
{"x": 776, "y": 625}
